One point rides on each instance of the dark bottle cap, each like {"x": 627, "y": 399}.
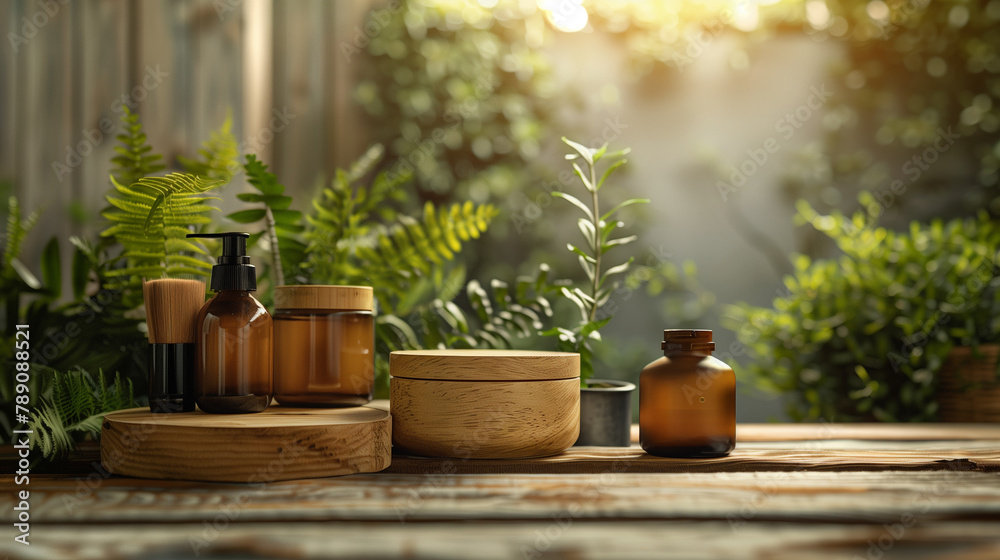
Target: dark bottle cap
{"x": 233, "y": 271}
{"x": 681, "y": 340}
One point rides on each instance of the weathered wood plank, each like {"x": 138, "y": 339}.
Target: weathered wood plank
{"x": 104, "y": 79}
{"x": 348, "y": 124}
{"x": 215, "y": 74}
{"x": 860, "y": 431}
{"x": 743, "y": 459}
{"x": 833, "y": 456}
{"x": 871, "y": 432}
{"x": 299, "y": 54}
{"x": 908, "y": 451}
{"x": 161, "y": 39}
{"x": 9, "y": 23}
{"x": 46, "y": 120}
{"x": 560, "y": 539}
{"x": 856, "y": 497}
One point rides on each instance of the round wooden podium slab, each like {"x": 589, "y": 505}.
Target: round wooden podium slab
{"x": 281, "y": 443}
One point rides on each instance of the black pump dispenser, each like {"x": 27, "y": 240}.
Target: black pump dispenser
{"x": 233, "y": 271}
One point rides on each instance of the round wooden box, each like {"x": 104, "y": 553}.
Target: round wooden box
{"x": 484, "y": 404}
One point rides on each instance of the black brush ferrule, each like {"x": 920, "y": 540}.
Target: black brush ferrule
{"x": 171, "y": 377}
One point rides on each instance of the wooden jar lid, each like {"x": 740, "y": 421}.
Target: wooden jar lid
{"x": 334, "y": 298}
{"x": 484, "y": 365}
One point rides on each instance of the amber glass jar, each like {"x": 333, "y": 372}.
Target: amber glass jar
{"x": 687, "y": 399}
{"x": 324, "y": 345}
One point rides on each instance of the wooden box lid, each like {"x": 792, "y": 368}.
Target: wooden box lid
{"x": 484, "y": 365}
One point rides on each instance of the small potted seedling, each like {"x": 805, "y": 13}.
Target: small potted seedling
{"x": 605, "y": 405}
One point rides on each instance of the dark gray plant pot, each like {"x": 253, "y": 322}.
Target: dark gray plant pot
{"x": 606, "y": 413}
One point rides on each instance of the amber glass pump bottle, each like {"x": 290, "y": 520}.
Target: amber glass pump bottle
{"x": 687, "y": 399}
{"x": 233, "y": 360}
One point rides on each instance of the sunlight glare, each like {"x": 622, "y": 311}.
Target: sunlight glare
{"x": 565, "y": 15}
{"x": 818, "y": 14}
{"x": 746, "y": 16}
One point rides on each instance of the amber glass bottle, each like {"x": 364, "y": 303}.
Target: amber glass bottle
{"x": 687, "y": 399}
{"x": 324, "y": 345}
{"x": 233, "y": 360}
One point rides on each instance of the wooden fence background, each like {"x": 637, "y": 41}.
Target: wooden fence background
{"x": 186, "y": 64}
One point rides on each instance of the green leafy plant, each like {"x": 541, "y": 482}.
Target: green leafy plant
{"x": 135, "y": 158}
{"x": 281, "y": 223}
{"x": 498, "y": 319}
{"x": 598, "y": 230}
{"x": 218, "y": 158}
{"x": 861, "y": 337}
{"x": 94, "y": 326}
{"x": 357, "y": 238}
{"x": 15, "y": 277}
{"x": 151, "y": 217}
{"x": 74, "y": 410}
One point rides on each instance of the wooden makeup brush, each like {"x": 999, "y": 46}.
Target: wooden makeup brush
{"x": 172, "y": 307}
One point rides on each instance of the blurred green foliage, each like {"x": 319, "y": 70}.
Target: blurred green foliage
{"x": 861, "y": 337}
{"x": 458, "y": 93}
{"x": 911, "y": 70}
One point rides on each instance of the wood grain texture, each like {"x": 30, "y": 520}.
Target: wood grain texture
{"x": 589, "y": 460}
{"x": 278, "y": 444}
{"x": 488, "y": 419}
{"x": 332, "y": 298}
{"x": 969, "y": 389}
{"x": 613, "y": 512}
{"x": 807, "y": 497}
{"x": 576, "y": 540}
{"x": 861, "y": 432}
{"x": 484, "y": 365}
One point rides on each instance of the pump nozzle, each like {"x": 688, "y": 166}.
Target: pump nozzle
{"x": 233, "y": 271}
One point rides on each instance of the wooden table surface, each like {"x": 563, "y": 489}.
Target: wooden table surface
{"x": 788, "y": 491}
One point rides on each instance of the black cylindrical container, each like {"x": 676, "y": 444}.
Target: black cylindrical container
{"x": 171, "y": 377}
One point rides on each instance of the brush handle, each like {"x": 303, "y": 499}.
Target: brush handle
{"x": 171, "y": 377}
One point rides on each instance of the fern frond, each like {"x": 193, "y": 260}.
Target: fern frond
{"x": 17, "y": 230}
{"x": 219, "y": 155}
{"x": 151, "y": 218}
{"x": 499, "y": 315}
{"x": 410, "y": 249}
{"x": 135, "y": 158}
{"x": 75, "y": 409}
